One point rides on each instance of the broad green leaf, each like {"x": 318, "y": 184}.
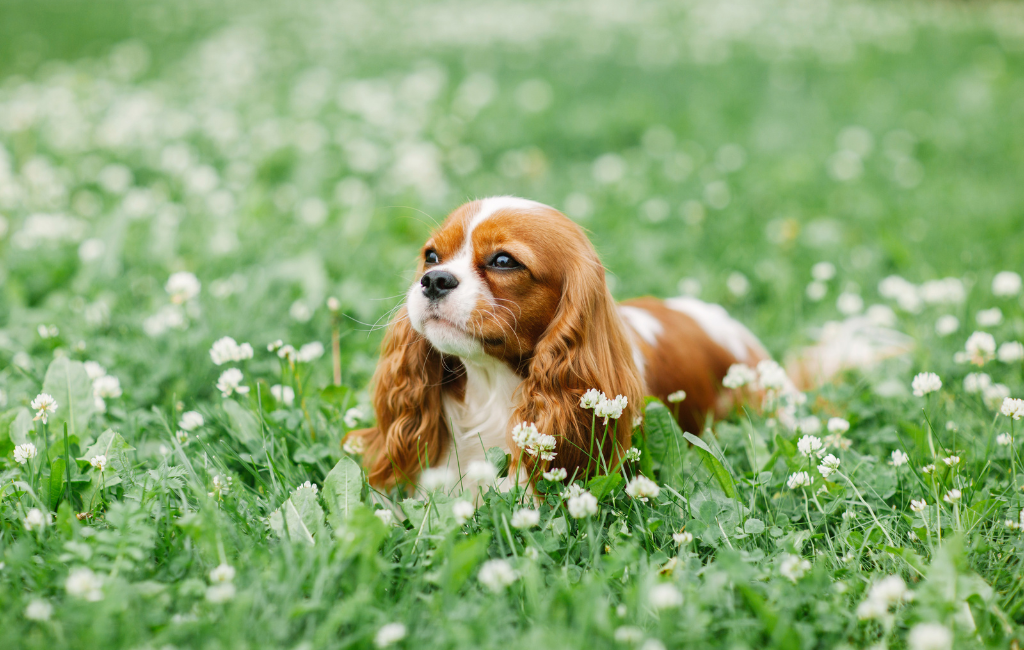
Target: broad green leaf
{"x": 21, "y": 427}
{"x": 70, "y": 385}
{"x": 753, "y": 526}
{"x": 56, "y": 486}
{"x": 430, "y": 517}
{"x": 497, "y": 457}
{"x": 602, "y": 486}
{"x": 716, "y": 463}
{"x": 664, "y": 442}
{"x": 108, "y": 444}
{"x": 335, "y": 394}
{"x": 787, "y": 447}
{"x": 342, "y": 489}
{"x": 304, "y": 516}
{"x": 244, "y": 426}
{"x": 462, "y": 559}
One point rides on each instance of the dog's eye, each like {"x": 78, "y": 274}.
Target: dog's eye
{"x": 504, "y": 261}
{"x": 431, "y": 257}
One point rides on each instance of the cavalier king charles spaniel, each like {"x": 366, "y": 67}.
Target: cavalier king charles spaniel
{"x": 509, "y": 322}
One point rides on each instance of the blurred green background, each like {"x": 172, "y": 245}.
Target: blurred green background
{"x": 286, "y": 153}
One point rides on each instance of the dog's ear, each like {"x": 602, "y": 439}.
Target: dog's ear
{"x": 410, "y": 434}
{"x": 584, "y": 347}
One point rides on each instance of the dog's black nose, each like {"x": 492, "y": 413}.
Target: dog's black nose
{"x": 437, "y": 284}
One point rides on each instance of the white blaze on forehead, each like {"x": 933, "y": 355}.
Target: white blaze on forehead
{"x": 492, "y": 205}
{"x": 721, "y": 327}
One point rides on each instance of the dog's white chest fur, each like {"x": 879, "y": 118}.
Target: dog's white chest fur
{"x": 480, "y": 420}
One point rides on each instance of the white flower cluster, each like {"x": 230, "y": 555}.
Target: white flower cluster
{"x": 221, "y": 485}
{"x": 389, "y": 634}
{"x": 798, "y": 480}
{"x": 1016, "y": 525}
{"x": 632, "y": 454}
{"x": 525, "y": 518}
{"x": 664, "y": 596}
{"x": 1013, "y": 408}
{"x": 809, "y": 445}
{"x": 83, "y": 583}
{"x": 582, "y": 505}
{"x": 226, "y": 350}
{"x": 230, "y": 382}
{"x": 462, "y": 511}
{"x": 555, "y": 475}
{"x": 979, "y": 349}
{"x": 45, "y": 406}
{"x": 182, "y": 287}
{"x": 829, "y": 465}
{"x": 676, "y": 397}
{"x": 884, "y": 594}
{"x": 930, "y": 636}
{"x": 899, "y": 458}
{"x": 604, "y": 407}
{"x": 793, "y": 567}
{"x": 354, "y": 445}
{"x": 533, "y": 442}
{"x": 1006, "y": 284}
{"x": 36, "y": 519}
{"x": 222, "y": 587}
{"x": 104, "y": 386}
{"x": 1011, "y": 352}
{"x": 640, "y": 487}
{"x": 496, "y": 575}
{"x": 24, "y": 452}
{"x": 925, "y": 383}
{"x": 307, "y": 353}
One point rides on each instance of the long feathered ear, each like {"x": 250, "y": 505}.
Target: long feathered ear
{"x": 584, "y": 347}
{"x": 410, "y": 433}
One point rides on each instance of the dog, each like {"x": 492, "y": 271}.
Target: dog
{"x": 509, "y": 333}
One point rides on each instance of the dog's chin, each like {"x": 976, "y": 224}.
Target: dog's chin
{"x": 449, "y": 338}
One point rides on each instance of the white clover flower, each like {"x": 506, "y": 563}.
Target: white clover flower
{"x": 849, "y": 304}
{"x": 1004, "y": 439}
{"x": 592, "y": 398}
{"x": 946, "y": 290}
{"x": 925, "y": 383}
{"x": 24, "y": 452}
{"x": 496, "y": 575}
{"x": 610, "y": 408}
{"x": 83, "y": 583}
{"x": 899, "y": 458}
{"x": 434, "y": 478}
{"x": 386, "y": 516}
{"x": 642, "y": 488}
{"x": 929, "y": 636}
{"x": 45, "y": 406}
{"x": 953, "y": 496}
{"x": 808, "y": 445}
{"x": 531, "y": 553}
{"x": 36, "y": 519}
{"x": 525, "y": 518}
{"x": 191, "y": 420}
{"x": 286, "y": 352}
{"x": 793, "y": 567}
{"x": 94, "y": 370}
{"x": 39, "y": 610}
{"x": 838, "y": 425}
{"x": 462, "y": 511}
{"x": 308, "y": 485}
{"x": 975, "y": 382}
{"x": 1006, "y": 283}
{"x": 772, "y": 376}
{"x": 481, "y": 471}
{"x": 99, "y": 462}
{"x": 534, "y": 443}
{"x": 389, "y": 634}
{"x": 107, "y": 386}
{"x": 980, "y": 348}
{"x": 823, "y": 271}
{"x": 676, "y": 397}
{"x": 951, "y": 460}
{"x": 221, "y": 485}
{"x": 816, "y": 291}
{"x": 1011, "y": 352}
{"x": 283, "y": 394}
{"x": 664, "y": 596}
{"x": 1012, "y": 408}
{"x": 989, "y": 317}
{"x": 222, "y": 573}
{"x": 829, "y": 464}
{"x": 181, "y": 436}
{"x": 182, "y": 287}
{"x": 682, "y": 538}
{"x": 629, "y": 634}
{"x": 333, "y": 304}
{"x": 353, "y": 417}
{"x": 220, "y": 592}
{"x": 310, "y": 352}
{"x": 230, "y": 382}
{"x": 573, "y": 490}
{"x": 929, "y": 468}
{"x": 275, "y": 346}
{"x": 582, "y": 506}
{"x": 918, "y": 506}
{"x": 227, "y": 350}
{"x": 555, "y": 475}
{"x": 739, "y": 375}
{"x": 890, "y": 590}
{"x": 354, "y": 445}
{"x": 947, "y": 325}
{"x": 798, "y": 480}
{"x": 632, "y": 454}
{"x": 809, "y": 424}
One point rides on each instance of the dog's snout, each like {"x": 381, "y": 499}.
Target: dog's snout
{"x": 438, "y": 284}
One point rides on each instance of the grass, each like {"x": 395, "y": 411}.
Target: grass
{"x": 287, "y": 155}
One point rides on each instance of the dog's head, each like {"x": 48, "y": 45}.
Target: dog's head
{"x": 512, "y": 280}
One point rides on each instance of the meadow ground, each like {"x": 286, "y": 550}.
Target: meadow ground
{"x": 174, "y": 173}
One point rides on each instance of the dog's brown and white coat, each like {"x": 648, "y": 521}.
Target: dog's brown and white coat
{"x": 509, "y": 320}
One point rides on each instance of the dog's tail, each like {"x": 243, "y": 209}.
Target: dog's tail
{"x": 857, "y": 343}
